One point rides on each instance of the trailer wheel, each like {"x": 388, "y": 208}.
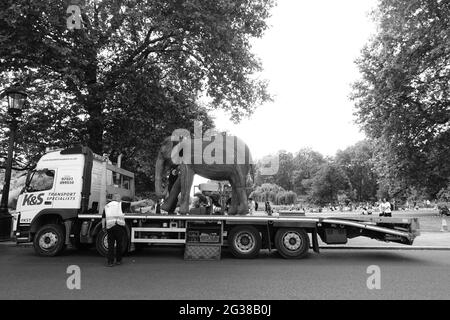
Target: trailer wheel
{"x": 101, "y": 243}
{"x": 49, "y": 240}
{"x": 292, "y": 243}
{"x": 244, "y": 242}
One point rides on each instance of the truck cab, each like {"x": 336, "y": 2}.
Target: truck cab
{"x": 65, "y": 184}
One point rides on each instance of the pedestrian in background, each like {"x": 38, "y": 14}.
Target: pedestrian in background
{"x": 268, "y": 208}
{"x": 251, "y": 206}
{"x": 385, "y": 208}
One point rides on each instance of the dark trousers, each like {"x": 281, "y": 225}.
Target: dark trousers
{"x": 116, "y": 234}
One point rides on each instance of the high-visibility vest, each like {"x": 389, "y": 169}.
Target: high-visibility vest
{"x": 114, "y": 214}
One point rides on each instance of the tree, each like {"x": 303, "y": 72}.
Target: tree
{"x": 273, "y": 193}
{"x": 290, "y": 197}
{"x": 191, "y": 46}
{"x": 329, "y": 182}
{"x": 444, "y": 194}
{"x": 294, "y": 172}
{"x": 139, "y": 63}
{"x": 402, "y": 100}
{"x": 306, "y": 163}
{"x": 283, "y": 177}
{"x": 414, "y": 195}
{"x": 358, "y": 164}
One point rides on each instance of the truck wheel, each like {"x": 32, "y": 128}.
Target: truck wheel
{"x": 49, "y": 240}
{"x": 244, "y": 242}
{"x": 292, "y": 243}
{"x": 101, "y": 243}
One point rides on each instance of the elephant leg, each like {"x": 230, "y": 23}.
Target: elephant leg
{"x": 234, "y": 200}
{"x": 241, "y": 181}
{"x": 170, "y": 203}
{"x": 243, "y": 204}
{"x": 187, "y": 177}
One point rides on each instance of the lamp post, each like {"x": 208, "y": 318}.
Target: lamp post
{"x": 16, "y": 100}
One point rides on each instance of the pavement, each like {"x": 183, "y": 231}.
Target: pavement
{"x": 162, "y": 274}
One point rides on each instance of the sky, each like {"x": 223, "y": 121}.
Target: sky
{"x": 308, "y": 56}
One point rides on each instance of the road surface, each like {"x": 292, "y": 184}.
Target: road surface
{"x": 161, "y": 273}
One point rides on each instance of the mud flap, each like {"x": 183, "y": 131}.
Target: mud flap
{"x": 315, "y": 242}
{"x": 68, "y": 227}
{"x": 269, "y": 241}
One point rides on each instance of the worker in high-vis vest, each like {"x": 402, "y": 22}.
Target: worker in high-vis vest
{"x": 113, "y": 221}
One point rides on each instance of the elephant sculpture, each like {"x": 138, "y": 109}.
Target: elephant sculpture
{"x": 222, "y": 157}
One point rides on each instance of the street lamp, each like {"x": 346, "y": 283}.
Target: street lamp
{"x": 16, "y": 97}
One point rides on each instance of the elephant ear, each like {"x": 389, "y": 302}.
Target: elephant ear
{"x": 168, "y": 145}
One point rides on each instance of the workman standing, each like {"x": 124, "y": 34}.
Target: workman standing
{"x": 113, "y": 220}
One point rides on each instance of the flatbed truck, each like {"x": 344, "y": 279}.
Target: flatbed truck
{"x": 64, "y": 197}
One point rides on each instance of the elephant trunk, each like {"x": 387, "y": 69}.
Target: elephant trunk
{"x": 159, "y": 172}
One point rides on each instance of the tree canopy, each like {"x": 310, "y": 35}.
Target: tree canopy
{"x": 132, "y": 73}
{"x": 273, "y": 193}
{"x": 357, "y": 161}
{"x": 329, "y": 182}
{"x": 402, "y": 99}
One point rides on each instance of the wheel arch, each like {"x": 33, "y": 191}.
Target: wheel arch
{"x": 47, "y": 216}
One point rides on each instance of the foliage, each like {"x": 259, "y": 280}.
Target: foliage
{"x": 17, "y": 183}
{"x": 357, "y": 161}
{"x": 329, "y": 182}
{"x": 273, "y": 193}
{"x": 413, "y": 195}
{"x": 444, "y": 194}
{"x": 133, "y": 73}
{"x": 283, "y": 176}
{"x": 295, "y": 172}
{"x": 307, "y": 163}
{"x": 402, "y": 100}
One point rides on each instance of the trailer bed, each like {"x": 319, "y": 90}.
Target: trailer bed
{"x": 400, "y": 230}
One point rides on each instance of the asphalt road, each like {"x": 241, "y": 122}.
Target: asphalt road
{"x": 161, "y": 273}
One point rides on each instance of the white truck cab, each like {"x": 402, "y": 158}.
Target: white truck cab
{"x": 55, "y": 184}
{"x": 64, "y": 184}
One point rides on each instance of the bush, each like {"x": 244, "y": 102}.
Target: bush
{"x": 444, "y": 195}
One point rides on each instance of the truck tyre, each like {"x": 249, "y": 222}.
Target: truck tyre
{"x": 49, "y": 241}
{"x": 101, "y": 243}
{"x": 244, "y": 242}
{"x": 292, "y": 243}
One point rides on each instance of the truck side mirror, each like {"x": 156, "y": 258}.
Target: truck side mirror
{"x": 30, "y": 175}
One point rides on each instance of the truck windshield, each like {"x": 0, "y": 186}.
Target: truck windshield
{"x": 41, "y": 180}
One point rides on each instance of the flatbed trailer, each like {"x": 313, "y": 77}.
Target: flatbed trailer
{"x": 63, "y": 199}
{"x": 245, "y": 236}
